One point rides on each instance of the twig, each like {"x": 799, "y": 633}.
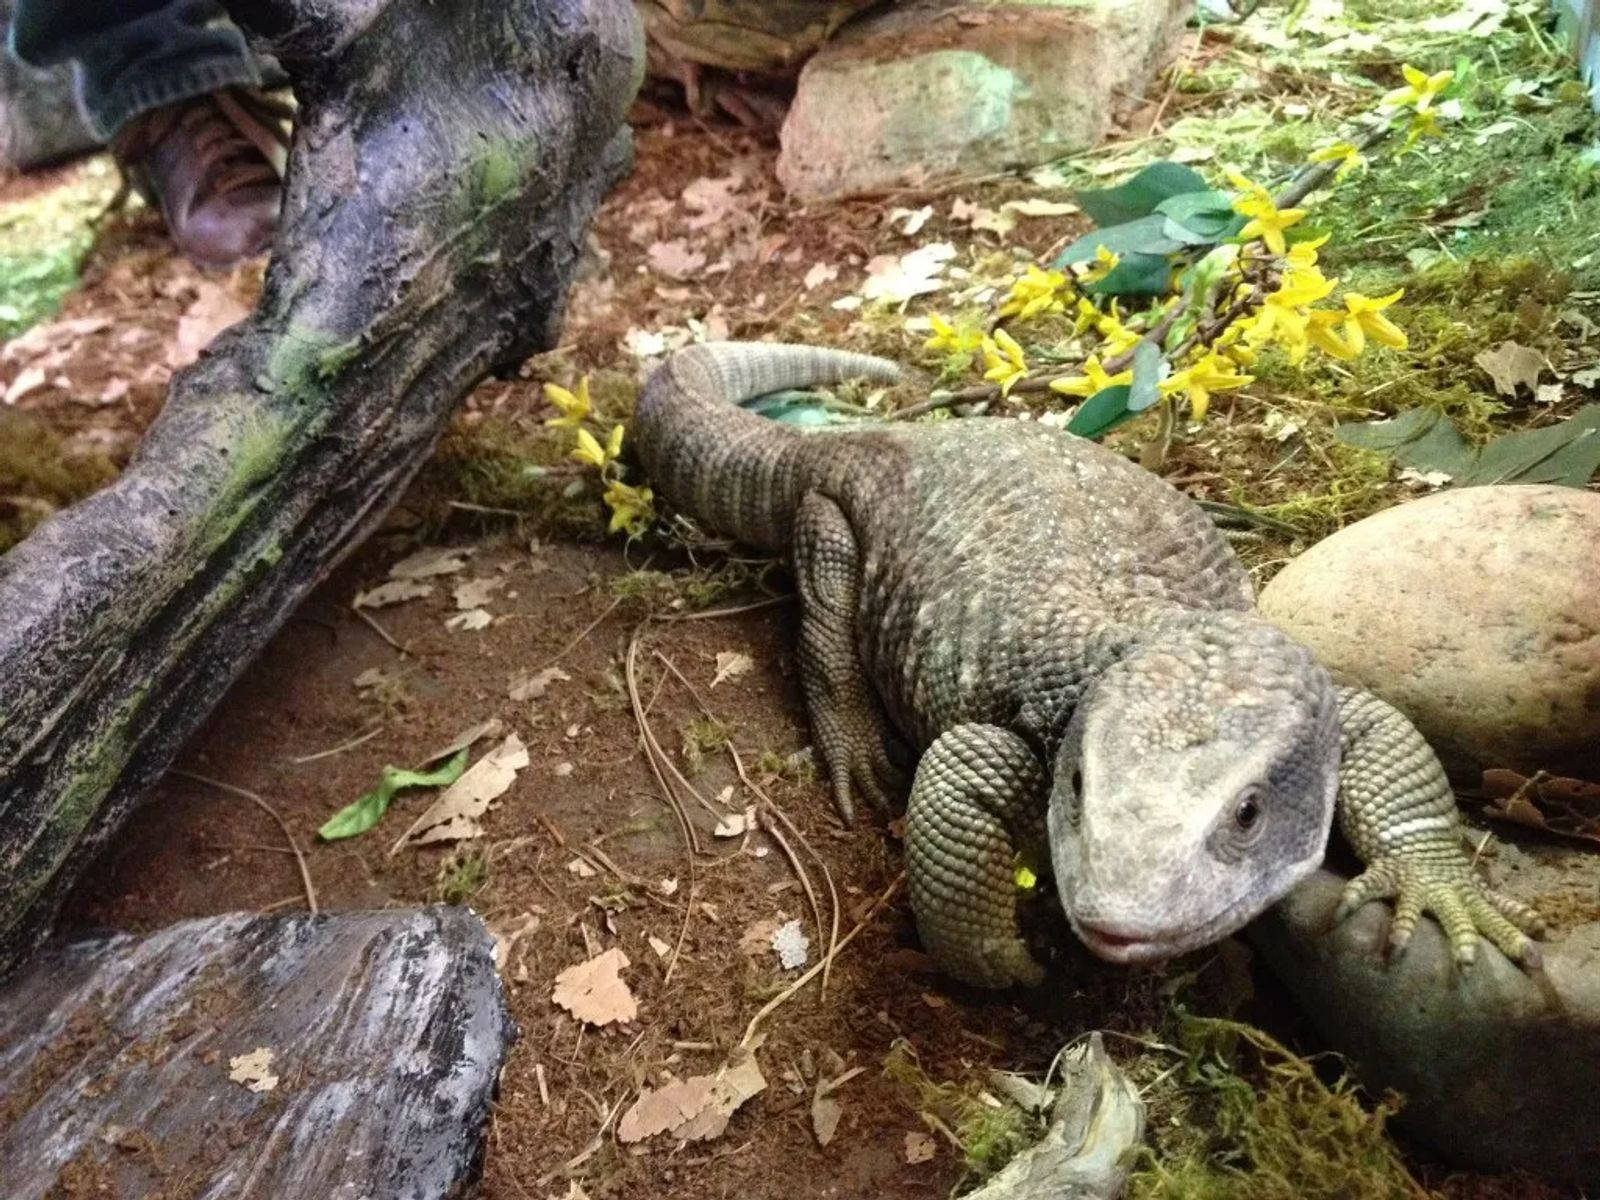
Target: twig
{"x": 299, "y": 857}
{"x": 711, "y": 614}
{"x": 583, "y": 633}
{"x": 339, "y": 749}
{"x": 1317, "y": 174}
{"x": 378, "y": 629}
{"x": 784, "y": 996}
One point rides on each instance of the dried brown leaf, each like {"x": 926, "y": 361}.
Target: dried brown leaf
{"x": 396, "y": 591}
{"x": 454, "y": 815}
{"x": 694, "y": 1109}
{"x": 1511, "y": 366}
{"x": 594, "y": 991}
{"x": 1551, "y": 803}
{"x": 213, "y": 309}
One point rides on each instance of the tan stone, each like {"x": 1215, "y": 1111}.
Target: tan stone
{"x": 936, "y": 88}
{"x": 1475, "y": 611}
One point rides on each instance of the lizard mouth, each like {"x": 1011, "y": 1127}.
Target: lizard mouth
{"x": 1121, "y": 948}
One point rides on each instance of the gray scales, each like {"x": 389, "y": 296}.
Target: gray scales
{"x": 1067, "y": 647}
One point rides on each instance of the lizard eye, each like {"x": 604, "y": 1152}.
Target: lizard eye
{"x": 1247, "y": 811}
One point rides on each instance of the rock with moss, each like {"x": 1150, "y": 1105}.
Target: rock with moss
{"x": 348, "y": 1055}
{"x": 1475, "y": 611}
{"x": 937, "y": 88}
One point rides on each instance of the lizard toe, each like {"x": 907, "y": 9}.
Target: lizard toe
{"x": 1465, "y": 909}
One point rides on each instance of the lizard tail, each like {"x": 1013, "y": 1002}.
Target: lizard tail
{"x": 726, "y": 467}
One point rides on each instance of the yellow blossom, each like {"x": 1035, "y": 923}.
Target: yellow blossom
{"x": 1281, "y": 323}
{"x": 1346, "y": 154}
{"x": 1003, "y": 358}
{"x": 1035, "y": 293}
{"x": 1423, "y": 124}
{"x": 1093, "y": 379}
{"x": 1025, "y": 878}
{"x": 1233, "y": 341}
{"x": 1213, "y": 373}
{"x": 1301, "y": 286}
{"x": 590, "y": 451}
{"x": 1364, "y": 318}
{"x": 614, "y": 442}
{"x": 1322, "y": 330}
{"x": 1105, "y": 261}
{"x": 1086, "y": 316}
{"x": 949, "y": 339}
{"x": 1118, "y": 338}
{"x": 1267, "y": 220}
{"x": 632, "y": 508}
{"x": 1420, "y": 89}
{"x": 1304, "y": 254}
{"x": 574, "y": 406}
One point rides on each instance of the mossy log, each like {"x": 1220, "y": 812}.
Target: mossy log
{"x": 446, "y": 161}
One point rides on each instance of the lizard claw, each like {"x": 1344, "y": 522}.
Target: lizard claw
{"x": 863, "y": 767}
{"x": 1456, "y": 897}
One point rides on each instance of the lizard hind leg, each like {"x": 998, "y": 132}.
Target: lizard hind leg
{"x": 846, "y": 716}
{"x": 979, "y": 792}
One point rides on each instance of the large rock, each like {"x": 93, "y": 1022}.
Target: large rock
{"x": 1497, "y": 1066}
{"x": 1474, "y": 611}
{"x": 943, "y": 87}
{"x": 386, "y": 1032}
{"x": 767, "y": 36}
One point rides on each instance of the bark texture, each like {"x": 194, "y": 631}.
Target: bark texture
{"x": 446, "y": 162}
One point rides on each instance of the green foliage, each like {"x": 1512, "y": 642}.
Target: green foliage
{"x": 989, "y": 1130}
{"x": 462, "y": 875}
{"x": 39, "y": 475}
{"x": 366, "y": 811}
{"x": 1566, "y": 453}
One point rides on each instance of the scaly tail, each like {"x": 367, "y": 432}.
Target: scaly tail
{"x": 735, "y": 471}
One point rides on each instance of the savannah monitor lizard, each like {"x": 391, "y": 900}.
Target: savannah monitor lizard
{"x": 1069, "y": 647}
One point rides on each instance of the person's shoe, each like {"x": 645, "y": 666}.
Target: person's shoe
{"x": 214, "y": 166}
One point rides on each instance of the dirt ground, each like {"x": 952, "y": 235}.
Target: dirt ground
{"x": 582, "y": 853}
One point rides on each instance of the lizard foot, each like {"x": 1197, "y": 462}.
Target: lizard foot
{"x": 859, "y": 764}
{"x": 1456, "y": 897}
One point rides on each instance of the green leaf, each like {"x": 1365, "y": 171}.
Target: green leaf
{"x": 364, "y": 813}
{"x": 1101, "y": 412}
{"x": 1419, "y": 437}
{"x": 1182, "y": 233}
{"x": 1147, "y": 373}
{"x": 1567, "y": 453}
{"x": 1144, "y": 236}
{"x": 1135, "y": 275}
{"x": 1139, "y": 196}
{"x": 1204, "y": 216}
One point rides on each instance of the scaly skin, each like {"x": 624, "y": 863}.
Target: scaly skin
{"x": 1069, "y": 645}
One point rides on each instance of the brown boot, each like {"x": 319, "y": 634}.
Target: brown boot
{"x": 214, "y": 166}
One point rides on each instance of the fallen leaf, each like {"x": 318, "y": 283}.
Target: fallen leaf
{"x": 362, "y": 814}
{"x": 213, "y": 309}
{"x": 43, "y": 338}
{"x": 471, "y": 621}
{"x": 1511, "y": 366}
{"x": 819, "y": 274}
{"x": 594, "y": 992}
{"x": 475, "y": 593}
{"x": 1589, "y": 377}
{"x": 491, "y": 728}
{"x": 791, "y": 944}
{"x": 1548, "y": 393}
{"x": 507, "y": 933}
{"x": 825, "y": 1114}
{"x": 735, "y": 824}
{"x": 254, "y": 1070}
{"x": 675, "y": 259}
{"x": 712, "y": 200}
{"x": 693, "y": 1109}
{"x": 757, "y": 937}
{"x": 997, "y": 222}
{"x": 435, "y": 560}
{"x": 1552, "y": 803}
{"x": 29, "y": 379}
{"x": 1037, "y": 206}
{"x": 731, "y": 665}
{"x": 454, "y": 815}
{"x": 396, "y": 591}
{"x": 911, "y": 221}
{"x": 661, "y": 948}
{"x": 899, "y": 279}
{"x": 581, "y": 868}
{"x": 920, "y": 1147}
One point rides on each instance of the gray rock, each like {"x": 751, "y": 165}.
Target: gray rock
{"x": 1475, "y": 611}
{"x": 386, "y": 1033}
{"x": 935, "y": 88}
{"x": 1497, "y": 1067}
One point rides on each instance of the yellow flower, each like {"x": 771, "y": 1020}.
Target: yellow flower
{"x": 1035, "y": 293}
{"x": 1086, "y": 316}
{"x": 1025, "y": 878}
{"x": 1281, "y": 323}
{"x": 1301, "y": 286}
{"x": 1105, "y": 261}
{"x": 590, "y": 451}
{"x": 1419, "y": 91}
{"x": 1212, "y": 373}
{"x": 614, "y": 442}
{"x": 1364, "y": 318}
{"x": 1003, "y": 358}
{"x": 1304, "y": 254}
{"x": 1118, "y": 338}
{"x": 949, "y": 339}
{"x": 574, "y": 406}
{"x": 1346, "y": 154}
{"x": 1267, "y": 220}
{"x": 632, "y": 508}
{"x": 1093, "y": 379}
{"x": 1423, "y": 124}
{"x": 1321, "y": 329}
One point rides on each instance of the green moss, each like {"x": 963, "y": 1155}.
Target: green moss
{"x": 39, "y": 475}
{"x": 703, "y": 736}
{"x": 989, "y": 1130}
{"x": 43, "y": 241}
{"x": 461, "y": 876}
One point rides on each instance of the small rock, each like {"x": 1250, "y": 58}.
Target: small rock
{"x": 384, "y": 1033}
{"x": 928, "y": 90}
{"x": 1475, "y": 611}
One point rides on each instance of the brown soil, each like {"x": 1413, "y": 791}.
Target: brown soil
{"x": 193, "y": 850}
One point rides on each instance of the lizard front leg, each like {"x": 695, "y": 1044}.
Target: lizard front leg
{"x": 846, "y": 715}
{"x": 978, "y": 792}
{"x": 1399, "y": 815}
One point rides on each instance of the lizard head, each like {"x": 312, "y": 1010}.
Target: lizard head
{"x": 1193, "y": 789}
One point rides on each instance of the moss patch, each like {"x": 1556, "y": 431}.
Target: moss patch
{"x": 40, "y": 474}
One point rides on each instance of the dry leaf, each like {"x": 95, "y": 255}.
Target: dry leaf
{"x": 825, "y": 1114}
{"x": 694, "y": 1109}
{"x": 472, "y": 621}
{"x": 213, "y": 310}
{"x": 254, "y": 1070}
{"x": 43, "y": 338}
{"x": 475, "y": 593}
{"x": 735, "y": 824}
{"x": 1549, "y": 393}
{"x": 1038, "y": 206}
{"x": 999, "y": 223}
{"x": 712, "y": 200}
{"x": 533, "y": 687}
{"x": 1511, "y": 365}
{"x": 454, "y": 815}
{"x": 581, "y": 868}
{"x": 820, "y": 274}
{"x": 675, "y": 259}
{"x": 29, "y": 379}
{"x": 491, "y": 728}
{"x": 730, "y": 665}
{"x": 508, "y": 933}
{"x": 911, "y": 221}
{"x": 396, "y": 591}
{"x": 436, "y": 560}
{"x": 899, "y": 279}
{"x": 920, "y": 1147}
{"x": 1552, "y": 803}
{"x": 757, "y": 938}
{"x": 594, "y": 992}
{"x": 661, "y": 948}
